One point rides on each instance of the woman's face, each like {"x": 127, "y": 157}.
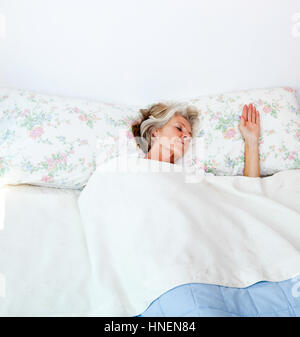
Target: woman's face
{"x": 175, "y": 135}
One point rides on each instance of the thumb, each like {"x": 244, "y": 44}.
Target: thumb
{"x": 242, "y": 124}
{"x": 243, "y": 121}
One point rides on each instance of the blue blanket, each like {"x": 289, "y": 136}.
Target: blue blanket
{"x": 198, "y": 300}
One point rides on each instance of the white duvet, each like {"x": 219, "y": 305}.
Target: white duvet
{"x": 128, "y": 237}
{"x": 150, "y": 230}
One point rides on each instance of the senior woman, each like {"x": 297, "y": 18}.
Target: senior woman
{"x": 166, "y": 130}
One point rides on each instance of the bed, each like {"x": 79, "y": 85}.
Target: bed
{"x": 88, "y": 231}
{"x": 57, "y": 259}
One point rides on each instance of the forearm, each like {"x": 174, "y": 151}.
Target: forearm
{"x": 252, "y": 165}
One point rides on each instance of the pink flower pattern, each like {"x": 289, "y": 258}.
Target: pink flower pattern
{"x": 229, "y": 133}
{"x": 36, "y": 132}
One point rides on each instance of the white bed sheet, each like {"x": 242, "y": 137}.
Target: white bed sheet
{"x": 43, "y": 253}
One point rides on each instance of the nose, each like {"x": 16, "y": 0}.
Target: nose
{"x": 186, "y": 137}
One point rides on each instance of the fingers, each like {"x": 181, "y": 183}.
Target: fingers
{"x": 253, "y": 114}
{"x": 245, "y": 112}
{"x": 243, "y": 121}
{"x": 249, "y": 114}
{"x": 257, "y": 117}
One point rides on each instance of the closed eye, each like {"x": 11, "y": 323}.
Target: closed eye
{"x": 178, "y": 128}
{"x": 181, "y": 129}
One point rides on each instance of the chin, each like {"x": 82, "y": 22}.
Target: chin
{"x": 179, "y": 152}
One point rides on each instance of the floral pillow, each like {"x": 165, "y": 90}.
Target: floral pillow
{"x": 58, "y": 142}
{"x": 55, "y": 141}
{"x": 219, "y": 146}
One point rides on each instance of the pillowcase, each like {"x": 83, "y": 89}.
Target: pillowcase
{"x": 219, "y": 145}
{"x": 55, "y": 141}
{"x": 58, "y": 142}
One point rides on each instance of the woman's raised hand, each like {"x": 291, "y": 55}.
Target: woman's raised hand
{"x": 250, "y": 124}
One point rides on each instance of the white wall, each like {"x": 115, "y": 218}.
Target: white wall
{"x": 140, "y": 51}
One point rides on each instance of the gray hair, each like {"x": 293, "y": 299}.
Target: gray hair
{"x": 158, "y": 115}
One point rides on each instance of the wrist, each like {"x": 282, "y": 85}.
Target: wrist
{"x": 251, "y": 142}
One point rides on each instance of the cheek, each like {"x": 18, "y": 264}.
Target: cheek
{"x": 170, "y": 133}
{"x": 174, "y": 133}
